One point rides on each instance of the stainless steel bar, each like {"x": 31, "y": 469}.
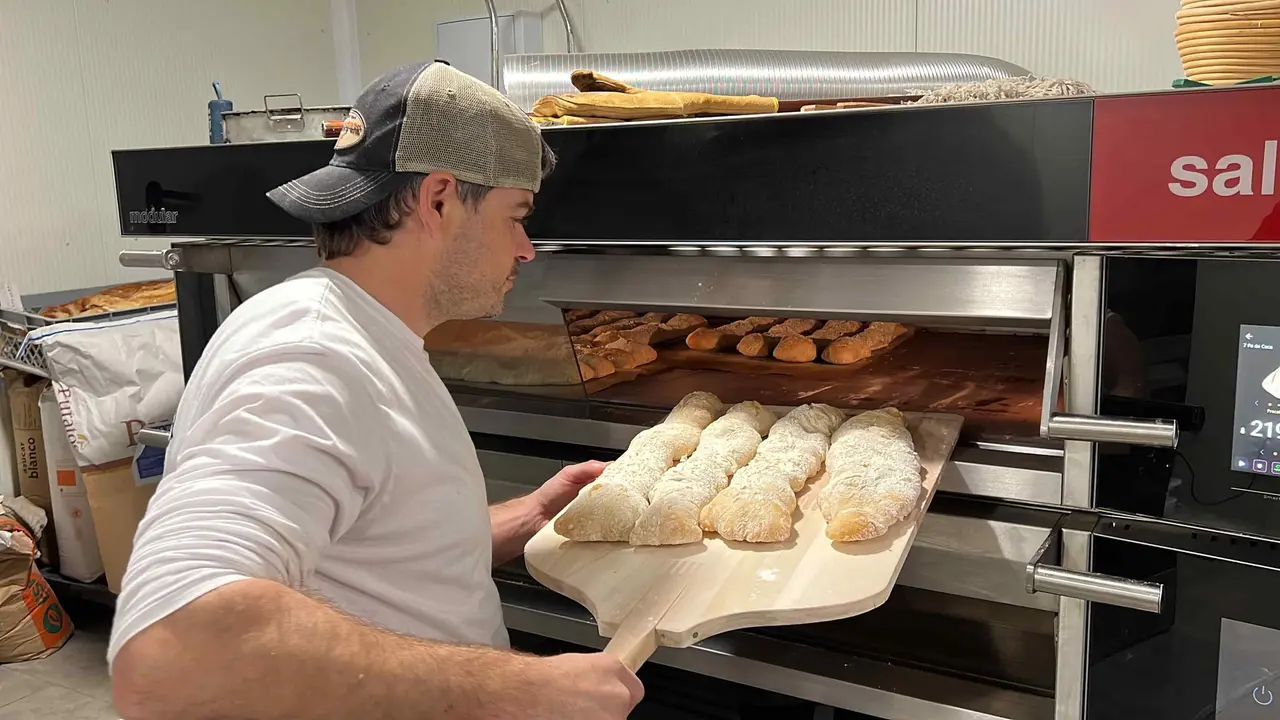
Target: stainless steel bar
{"x": 1105, "y": 589}
{"x": 1130, "y": 431}
{"x": 141, "y": 258}
{"x": 1057, "y": 351}
{"x": 571, "y": 41}
{"x": 967, "y": 292}
{"x": 495, "y": 49}
{"x": 1082, "y": 372}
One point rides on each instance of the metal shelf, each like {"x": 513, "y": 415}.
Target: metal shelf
{"x": 17, "y": 353}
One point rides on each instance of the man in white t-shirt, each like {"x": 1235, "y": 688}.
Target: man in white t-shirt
{"x": 320, "y": 546}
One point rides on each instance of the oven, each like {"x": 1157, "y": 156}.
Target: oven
{"x": 1093, "y": 549}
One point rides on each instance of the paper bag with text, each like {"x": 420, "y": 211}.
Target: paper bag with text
{"x": 112, "y": 379}
{"x": 32, "y": 621}
{"x": 33, "y": 466}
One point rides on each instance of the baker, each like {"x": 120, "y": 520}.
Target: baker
{"x": 320, "y": 546}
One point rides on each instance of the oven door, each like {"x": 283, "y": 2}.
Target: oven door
{"x": 1213, "y": 651}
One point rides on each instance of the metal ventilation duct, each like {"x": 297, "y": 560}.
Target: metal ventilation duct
{"x": 784, "y": 74}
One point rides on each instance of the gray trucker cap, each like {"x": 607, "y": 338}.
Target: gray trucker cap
{"x": 419, "y": 118}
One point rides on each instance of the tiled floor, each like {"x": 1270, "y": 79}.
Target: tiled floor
{"x": 71, "y": 684}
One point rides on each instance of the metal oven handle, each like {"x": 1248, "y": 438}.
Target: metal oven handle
{"x": 153, "y": 438}
{"x": 1091, "y": 428}
{"x": 1050, "y": 579}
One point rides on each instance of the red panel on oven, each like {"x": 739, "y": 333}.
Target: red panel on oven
{"x": 1190, "y": 166}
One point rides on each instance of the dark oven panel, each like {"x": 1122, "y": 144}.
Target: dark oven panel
{"x": 1196, "y": 339}
{"x": 1215, "y": 650}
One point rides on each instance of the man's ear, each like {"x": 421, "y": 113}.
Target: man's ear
{"x": 439, "y": 191}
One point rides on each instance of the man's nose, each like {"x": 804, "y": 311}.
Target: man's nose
{"x": 525, "y": 251}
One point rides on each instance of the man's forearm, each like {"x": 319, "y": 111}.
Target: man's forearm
{"x": 514, "y": 522}
{"x": 257, "y": 650}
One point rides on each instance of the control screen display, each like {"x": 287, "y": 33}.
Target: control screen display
{"x": 1256, "y": 447}
{"x": 1248, "y": 669}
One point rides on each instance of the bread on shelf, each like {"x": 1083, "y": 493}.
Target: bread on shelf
{"x": 672, "y": 329}
{"x": 873, "y": 474}
{"x": 759, "y": 503}
{"x": 120, "y": 297}
{"x": 875, "y": 337}
{"x": 727, "y": 336}
{"x": 677, "y": 499}
{"x": 762, "y": 344}
{"x": 805, "y": 348}
{"x": 604, "y": 317}
{"x": 608, "y": 508}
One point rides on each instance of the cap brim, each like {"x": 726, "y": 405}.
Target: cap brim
{"x": 332, "y": 193}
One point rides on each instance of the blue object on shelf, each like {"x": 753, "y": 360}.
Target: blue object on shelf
{"x": 217, "y": 106}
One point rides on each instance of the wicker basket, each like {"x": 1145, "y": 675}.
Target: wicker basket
{"x": 1229, "y": 41}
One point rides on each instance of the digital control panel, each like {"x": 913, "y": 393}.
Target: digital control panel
{"x": 1256, "y": 445}
{"x": 1248, "y": 672}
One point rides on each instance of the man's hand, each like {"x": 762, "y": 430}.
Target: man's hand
{"x": 515, "y": 521}
{"x": 583, "y": 687}
{"x": 564, "y": 486}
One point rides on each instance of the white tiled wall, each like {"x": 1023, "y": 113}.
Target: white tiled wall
{"x": 79, "y": 78}
{"x": 1112, "y": 44}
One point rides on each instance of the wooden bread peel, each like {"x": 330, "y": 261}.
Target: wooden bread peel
{"x": 644, "y": 597}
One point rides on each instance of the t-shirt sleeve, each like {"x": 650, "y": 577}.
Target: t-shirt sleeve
{"x": 277, "y": 466}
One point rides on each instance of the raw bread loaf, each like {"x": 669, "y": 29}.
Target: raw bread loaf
{"x": 759, "y": 502}
{"x": 804, "y": 348}
{"x": 727, "y": 336}
{"x": 760, "y": 344}
{"x": 607, "y": 509}
{"x": 673, "y": 329}
{"x": 604, "y": 317}
{"x": 874, "y": 476}
{"x": 877, "y": 336}
{"x": 676, "y": 501}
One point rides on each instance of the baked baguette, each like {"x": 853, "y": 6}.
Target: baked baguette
{"x": 759, "y": 502}
{"x": 877, "y": 336}
{"x": 119, "y": 297}
{"x": 604, "y": 317}
{"x": 625, "y": 355}
{"x": 727, "y": 336}
{"x": 676, "y": 501}
{"x": 804, "y": 348}
{"x": 608, "y": 508}
{"x": 673, "y": 329}
{"x": 600, "y": 367}
{"x": 761, "y": 344}
{"x": 576, "y": 315}
{"x": 874, "y": 476}
{"x": 629, "y": 323}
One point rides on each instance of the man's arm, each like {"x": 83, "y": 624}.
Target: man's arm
{"x": 516, "y": 521}
{"x": 257, "y": 650}
{"x": 209, "y": 623}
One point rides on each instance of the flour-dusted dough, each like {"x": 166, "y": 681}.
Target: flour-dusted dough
{"x": 607, "y": 509}
{"x": 1272, "y": 383}
{"x": 676, "y": 501}
{"x": 759, "y": 502}
{"x": 874, "y": 476}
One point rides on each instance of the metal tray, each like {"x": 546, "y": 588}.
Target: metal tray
{"x": 16, "y": 353}
{"x": 283, "y": 117}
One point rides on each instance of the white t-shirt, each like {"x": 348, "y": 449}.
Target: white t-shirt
{"x": 316, "y": 446}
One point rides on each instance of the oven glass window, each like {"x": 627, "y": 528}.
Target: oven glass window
{"x": 1176, "y": 344}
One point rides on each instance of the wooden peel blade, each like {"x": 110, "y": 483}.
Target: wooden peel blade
{"x": 637, "y": 636}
